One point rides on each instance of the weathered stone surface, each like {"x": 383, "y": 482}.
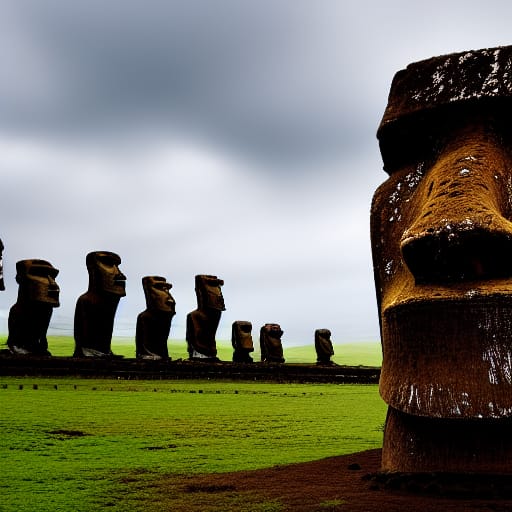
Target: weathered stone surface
{"x": 426, "y": 93}
{"x": 154, "y": 323}
{"x": 442, "y": 250}
{"x": 95, "y": 310}
{"x": 131, "y": 368}
{"x": 29, "y": 317}
{"x": 202, "y": 323}
{"x": 241, "y": 339}
{"x": 270, "y": 343}
{"x": 323, "y": 346}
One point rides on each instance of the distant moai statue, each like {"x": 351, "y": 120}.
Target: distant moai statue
{"x": 29, "y": 317}
{"x": 442, "y": 251}
{"x": 241, "y": 339}
{"x": 154, "y": 324}
{"x": 323, "y": 347}
{"x": 202, "y": 323}
{"x": 2, "y": 285}
{"x": 270, "y": 344}
{"x": 95, "y": 309}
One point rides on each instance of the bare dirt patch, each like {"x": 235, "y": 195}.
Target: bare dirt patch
{"x": 67, "y": 433}
{"x": 332, "y": 484}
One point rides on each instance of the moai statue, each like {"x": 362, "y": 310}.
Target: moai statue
{"x": 95, "y": 309}
{"x": 202, "y": 323}
{"x": 154, "y": 324}
{"x": 241, "y": 339}
{"x": 270, "y": 344}
{"x": 323, "y": 347}
{"x": 2, "y": 285}
{"x": 442, "y": 250}
{"x": 38, "y": 294}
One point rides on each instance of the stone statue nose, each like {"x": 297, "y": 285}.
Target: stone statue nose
{"x": 459, "y": 232}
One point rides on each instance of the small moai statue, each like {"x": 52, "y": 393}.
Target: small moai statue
{"x": 202, "y": 323}
{"x": 96, "y": 308}
{"x": 2, "y": 285}
{"x": 323, "y": 347}
{"x": 29, "y": 317}
{"x": 241, "y": 339}
{"x": 270, "y": 344}
{"x": 154, "y": 324}
{"x": 441, "y": 235}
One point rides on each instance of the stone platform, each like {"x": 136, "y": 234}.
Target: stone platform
{"x": 126, "y": 368}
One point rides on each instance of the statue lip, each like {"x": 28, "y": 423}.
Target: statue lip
{"x": 54, "y": 294}
{"x": 449, "y": 356}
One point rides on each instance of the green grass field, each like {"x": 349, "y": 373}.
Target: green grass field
{"x": 352, "y": 354}
{"x": 87, "y": 445}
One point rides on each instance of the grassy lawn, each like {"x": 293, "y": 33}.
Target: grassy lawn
{"x": 87, "y": 445}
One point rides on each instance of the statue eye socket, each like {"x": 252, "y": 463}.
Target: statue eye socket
{"x": 107, "y": 261}
{"x": 41, "y": 271}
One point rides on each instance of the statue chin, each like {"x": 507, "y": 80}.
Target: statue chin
{"x": 449, "y": 359}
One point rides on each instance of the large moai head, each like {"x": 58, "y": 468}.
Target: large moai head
{"x": 36, "y": 280}
{"x": 104, "y": 273}
{"x": 158, "y": 297}
{"x": 442, "y": 250}
{"x": 208, "y": 292}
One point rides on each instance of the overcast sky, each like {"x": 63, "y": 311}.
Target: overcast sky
{"x": 225, "y": 137}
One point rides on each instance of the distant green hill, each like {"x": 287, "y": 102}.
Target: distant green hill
{"x": 351, "y": 354}
{"x": 366, "y": 353}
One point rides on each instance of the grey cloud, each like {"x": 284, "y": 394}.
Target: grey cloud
{"x": 264, "y": 78}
